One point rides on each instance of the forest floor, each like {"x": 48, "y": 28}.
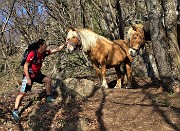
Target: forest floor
{"x": 144, "y": 107}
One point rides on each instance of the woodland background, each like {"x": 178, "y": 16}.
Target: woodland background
{"x": 80, "y": 104}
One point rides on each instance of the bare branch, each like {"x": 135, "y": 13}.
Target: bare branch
{"x": 4, "y": 26}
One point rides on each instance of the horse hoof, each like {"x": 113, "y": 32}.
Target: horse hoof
{"x": 116, "y": 87}
{"x": 105, "y": 86}
{"x": 128, "y": 87}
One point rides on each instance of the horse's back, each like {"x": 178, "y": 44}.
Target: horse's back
{"x": 113, "y": 53}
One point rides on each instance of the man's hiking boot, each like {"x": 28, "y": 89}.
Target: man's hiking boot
{"x": 49, "y": 99}
{"x": 15, "y": 115}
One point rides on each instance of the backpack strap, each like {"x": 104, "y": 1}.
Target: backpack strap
{"x": 34, "y": 61}
{"x": 35, "y": 56}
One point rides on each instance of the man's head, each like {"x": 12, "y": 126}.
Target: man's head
{"x": 41, "y": 43}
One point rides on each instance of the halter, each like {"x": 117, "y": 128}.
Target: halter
{"x": 70, "y": 43}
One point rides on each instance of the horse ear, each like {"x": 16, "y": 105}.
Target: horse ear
{"x": 133, "y": 25}
{"x": 141, "y": 26}
{"x": 70, "y": 28}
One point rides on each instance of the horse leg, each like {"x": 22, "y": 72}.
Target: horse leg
{"x": 96, "y": 67}
{"x": 103, "y": 72}
{"x": 118, "y": 73}
{"x": 129, "y": 74}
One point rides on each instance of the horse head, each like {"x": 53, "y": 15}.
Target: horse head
{"x": 135, "y": 38}
{"x": 72, "y": 40}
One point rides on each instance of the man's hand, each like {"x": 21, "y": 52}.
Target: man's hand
{"x": 58, "y": 49}
{"x": 29, "y": 81}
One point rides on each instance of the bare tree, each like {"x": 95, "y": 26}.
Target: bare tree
{"x": 3, "y": 40}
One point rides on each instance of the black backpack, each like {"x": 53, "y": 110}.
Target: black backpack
{"x": 31, "y": 47}
{"x": 25, "y": 57}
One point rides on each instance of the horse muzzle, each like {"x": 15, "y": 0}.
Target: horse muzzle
{"x": 132, "y": 52}
{"x": 70, "y": 48}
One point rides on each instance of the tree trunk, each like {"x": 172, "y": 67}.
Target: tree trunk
{"x": 163, "y": 34}
{"x": 171, "y": 29}
{"x": 120, "y": 21}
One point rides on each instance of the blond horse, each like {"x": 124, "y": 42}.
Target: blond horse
{"x": 102, "y": 52}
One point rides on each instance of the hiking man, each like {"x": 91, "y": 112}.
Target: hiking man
{"x": 32, "y": 72}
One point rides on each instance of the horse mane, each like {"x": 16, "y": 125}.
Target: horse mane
{"x": 130, "y": 33}
{"x": 89, "y": 38}
{"x": 133, "y": 29}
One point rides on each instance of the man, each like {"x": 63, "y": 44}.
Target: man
{"x": 32, "y": 73}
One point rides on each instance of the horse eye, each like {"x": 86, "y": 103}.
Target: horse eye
{"x": 135, "y": 37}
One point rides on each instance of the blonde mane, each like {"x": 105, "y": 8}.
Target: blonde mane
{"x": 131, "y": 31}
{"x": 89, "y": 38}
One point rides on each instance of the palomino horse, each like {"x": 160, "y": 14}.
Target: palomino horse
{"x": 102, "y": 52}
{"x": 135, "y": 38}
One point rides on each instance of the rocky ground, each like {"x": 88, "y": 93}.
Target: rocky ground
{"x": 82, "y": 106}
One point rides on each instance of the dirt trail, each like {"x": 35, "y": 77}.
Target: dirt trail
{"x": 135, "y": 109}
{"x": 107, "y": 109}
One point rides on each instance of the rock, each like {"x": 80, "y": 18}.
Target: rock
{"x": 83, "y": 87}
